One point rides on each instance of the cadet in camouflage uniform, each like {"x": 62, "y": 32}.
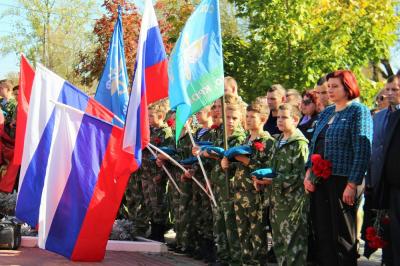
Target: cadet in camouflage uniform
{"x": 133, "y": 207}
{"x": 248, "y": 201}
{"x": 184, "y": 221}
{"x": 225, "y": 228}
{"x": 154, "y": 180}
{"x": 289, "y": 205}
{"x": 201, "y": 204}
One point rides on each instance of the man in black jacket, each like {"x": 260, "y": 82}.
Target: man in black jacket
{"x": 388, "y": 191}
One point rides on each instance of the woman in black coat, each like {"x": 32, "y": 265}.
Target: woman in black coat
{"x": 310, "y": 115}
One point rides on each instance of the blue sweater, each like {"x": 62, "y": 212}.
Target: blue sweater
{"x": 347, "y": 140}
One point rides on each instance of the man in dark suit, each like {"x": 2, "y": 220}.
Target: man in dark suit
{"x": 388, "y": 190}
{"x": 380, "y": 120}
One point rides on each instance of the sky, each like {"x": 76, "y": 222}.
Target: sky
{"x": 9, "y": 63}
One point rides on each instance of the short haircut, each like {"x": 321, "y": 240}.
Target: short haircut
{"x": 7, "y": 83}
{"x": 257, "y": 107}
{"x": 16, "y": 88}
{"x": 295, "y": 93}
{"x": 158, "y": 108}
{"x": 349, "y": 82}
{"x": 234, "y": 107}
{"x": 293, "y": 109}
{"x": 231, "y": 81}
{"x": 231, "y": 98}
{"x": 213, "y": 104}
{"x": 321, "y": 81}
{"x": 393, "y": 78}
{"x": 278, "y": 88}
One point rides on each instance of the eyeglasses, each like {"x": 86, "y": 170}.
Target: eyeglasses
{"x": 307, "y": 102}
{"x": 381, "y": 98}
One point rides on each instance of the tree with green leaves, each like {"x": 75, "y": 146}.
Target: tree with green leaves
{"x": 171, "y": 14}
{"x": 296, "y": 42}
{"x": 50, "y": 32}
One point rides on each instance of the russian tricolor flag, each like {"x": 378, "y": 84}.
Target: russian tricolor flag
{"x": 73, "y": 171}
{"x": 150, "y": 82}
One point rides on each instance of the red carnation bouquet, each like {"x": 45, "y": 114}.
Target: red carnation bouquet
{"x": 320, "y": 169}
{"x": 171, "y": 122}
{"x": 374, "y": 234}
{"x": 258, "y": 146}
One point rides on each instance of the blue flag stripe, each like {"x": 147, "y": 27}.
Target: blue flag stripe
{"x": 155, "y": 52}
{"x": 90, "y": 147}
{"x": 31, "y": 189}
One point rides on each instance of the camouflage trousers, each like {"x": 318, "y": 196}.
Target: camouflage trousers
{"x": 173, "y": 206}
{"x": 202, "y": 203}
{"x": 155, "y": 199}
{"x": 133, "y": 207}
{"x": 290, "y": 238}
{"x": 201, "y": 213}
{"x": 184, "y": 222}
{"x": 251, "y": 227}
{"x": 226, "y": 233}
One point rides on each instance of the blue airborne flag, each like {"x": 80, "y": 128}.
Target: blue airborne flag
{"x": 112, "y": 90}
{"x": 196, "y": 72}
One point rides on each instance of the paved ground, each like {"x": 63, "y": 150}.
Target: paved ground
{"x": 39, "y": 257}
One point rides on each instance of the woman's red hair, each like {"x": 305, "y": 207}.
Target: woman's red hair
{"x": 349, "y": 82}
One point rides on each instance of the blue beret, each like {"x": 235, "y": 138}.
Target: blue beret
{"x": 204, "y": 143}
{"x": 168, "y": 150}
{"x": 214, "y": 150}
{"x": 264, "y": 173}
{"x": 238, "y": 150}
{"x": 189, "y": 161}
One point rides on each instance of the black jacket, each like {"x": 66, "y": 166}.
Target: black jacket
{"x": 390, "y": 173}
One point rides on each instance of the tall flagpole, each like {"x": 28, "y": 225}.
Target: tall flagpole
{"x": 225, "y": 140}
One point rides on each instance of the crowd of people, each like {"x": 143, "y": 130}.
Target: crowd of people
{"x": 295, "y": 171}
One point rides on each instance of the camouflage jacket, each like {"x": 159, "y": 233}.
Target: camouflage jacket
{"x": 10, "y": 112}
{"x": 261, "y": 157}
{"x": 218, "y": 175}
{"x": 289, "y": 164}
{"x": 184, "y": 147}
{"x": 207, "y": 163}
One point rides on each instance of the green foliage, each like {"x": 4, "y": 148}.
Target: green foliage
{"x": 50, "y": 33}
{"x": 296, "y": 42}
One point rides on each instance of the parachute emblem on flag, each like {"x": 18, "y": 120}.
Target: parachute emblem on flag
{"x": 192, "y": 53}
{"x": 116, "y": 80}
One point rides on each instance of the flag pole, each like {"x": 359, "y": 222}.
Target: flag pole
{"x": 166, "y": 171}
{"x": 188, "y": 129}
{"x": 181, "y": 167}
{"x": 225, "y": 139}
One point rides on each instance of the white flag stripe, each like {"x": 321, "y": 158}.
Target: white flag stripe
{"x": 66, "y": 127}
{"x": 46, "y": 85}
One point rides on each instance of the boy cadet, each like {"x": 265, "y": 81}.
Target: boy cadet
{"x": 134, "y": 206}
{"x": 153, "y": 178}
{"x": 184, "y": 222}
{"x": 201, "y": 204}
{"x": 225, "y": 229}
{"x": 247, "y": 200}
{"x": 288, "y": 202}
